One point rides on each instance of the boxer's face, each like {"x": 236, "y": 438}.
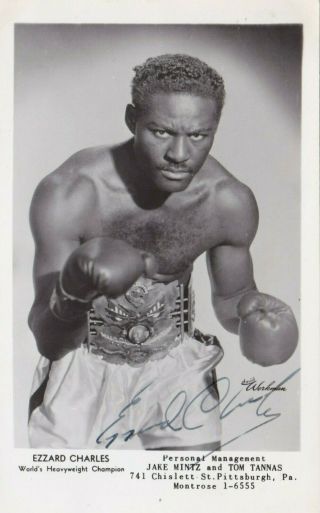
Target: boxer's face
{"x": 172, "y": 137}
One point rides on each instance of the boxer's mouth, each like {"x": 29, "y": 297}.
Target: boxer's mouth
{"x": 175, "y": 174}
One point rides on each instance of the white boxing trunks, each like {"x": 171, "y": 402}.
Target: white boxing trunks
{"x": 127, "y": 390}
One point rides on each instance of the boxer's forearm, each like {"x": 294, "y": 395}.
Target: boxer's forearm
{"x": 55, "y": 338}
{"x": 225, "y": 308}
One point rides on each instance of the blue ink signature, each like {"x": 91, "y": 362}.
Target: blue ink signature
{"x": 177, "y": 413}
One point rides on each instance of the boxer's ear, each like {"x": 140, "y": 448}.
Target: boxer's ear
{"x": 131, "y": 118}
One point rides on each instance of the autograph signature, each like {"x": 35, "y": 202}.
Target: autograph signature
{"x": 177, "y": 415}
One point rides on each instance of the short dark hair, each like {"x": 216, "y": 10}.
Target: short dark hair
{"x": 176, "y": 73}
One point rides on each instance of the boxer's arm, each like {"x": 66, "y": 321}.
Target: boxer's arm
{"x": 68, "y": 275}
{"x": 267, "y": 328}
{"x": 229, "y": 264}
{"x": 54, "y": 224}
{"x": 230, "y": 269}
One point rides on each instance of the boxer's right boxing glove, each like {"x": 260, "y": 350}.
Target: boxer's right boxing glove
{"x": 268, "y": 329}
{"x": 100, "y": 266}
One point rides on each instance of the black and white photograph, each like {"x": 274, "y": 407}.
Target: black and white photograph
{"x": 138, "y": 150}
{"x": 159, "y": 214}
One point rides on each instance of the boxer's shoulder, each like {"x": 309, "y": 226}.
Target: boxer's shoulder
{"x": 233, "y": 201}
{"x": 78, "y": 178}
{"x": 82, "y": 170}
{"x": 66, "y": 195}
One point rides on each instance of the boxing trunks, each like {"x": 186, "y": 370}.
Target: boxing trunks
{"x": 142, "y": 378}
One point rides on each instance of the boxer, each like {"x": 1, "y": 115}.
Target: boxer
{"x": 116, "y": 233}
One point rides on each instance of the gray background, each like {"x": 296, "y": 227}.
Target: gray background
{"x": 72, "y": 83}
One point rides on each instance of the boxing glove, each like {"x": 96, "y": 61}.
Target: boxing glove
{"x": 268, "y": 330}
{"x": 100, "y": 266}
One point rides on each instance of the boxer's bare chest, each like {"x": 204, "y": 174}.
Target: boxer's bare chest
{"x": 176, "y": 232}
{"x": 176, "y": 240}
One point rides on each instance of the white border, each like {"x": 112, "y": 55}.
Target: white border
{"x": 20, "y": 493}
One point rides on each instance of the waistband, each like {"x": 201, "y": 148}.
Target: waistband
{"x": 143, "y": 324}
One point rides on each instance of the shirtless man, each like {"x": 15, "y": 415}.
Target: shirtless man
{"x": 116, "y": 232}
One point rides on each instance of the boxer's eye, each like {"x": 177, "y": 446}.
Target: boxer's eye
{"x": 162, "y": 134}
{"x": 197, "y": 137}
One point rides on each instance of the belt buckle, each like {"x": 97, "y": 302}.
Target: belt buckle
{"x": 148, "y": 319}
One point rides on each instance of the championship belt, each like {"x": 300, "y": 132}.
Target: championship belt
{"x": 143, "y": 324}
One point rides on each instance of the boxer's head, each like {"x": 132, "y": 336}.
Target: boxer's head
{"x": 177, "y": 103}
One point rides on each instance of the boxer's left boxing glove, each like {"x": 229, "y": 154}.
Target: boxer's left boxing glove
{"x": 268, "y": 330}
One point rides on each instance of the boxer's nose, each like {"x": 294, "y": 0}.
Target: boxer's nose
{"x": 178, "y": 151}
